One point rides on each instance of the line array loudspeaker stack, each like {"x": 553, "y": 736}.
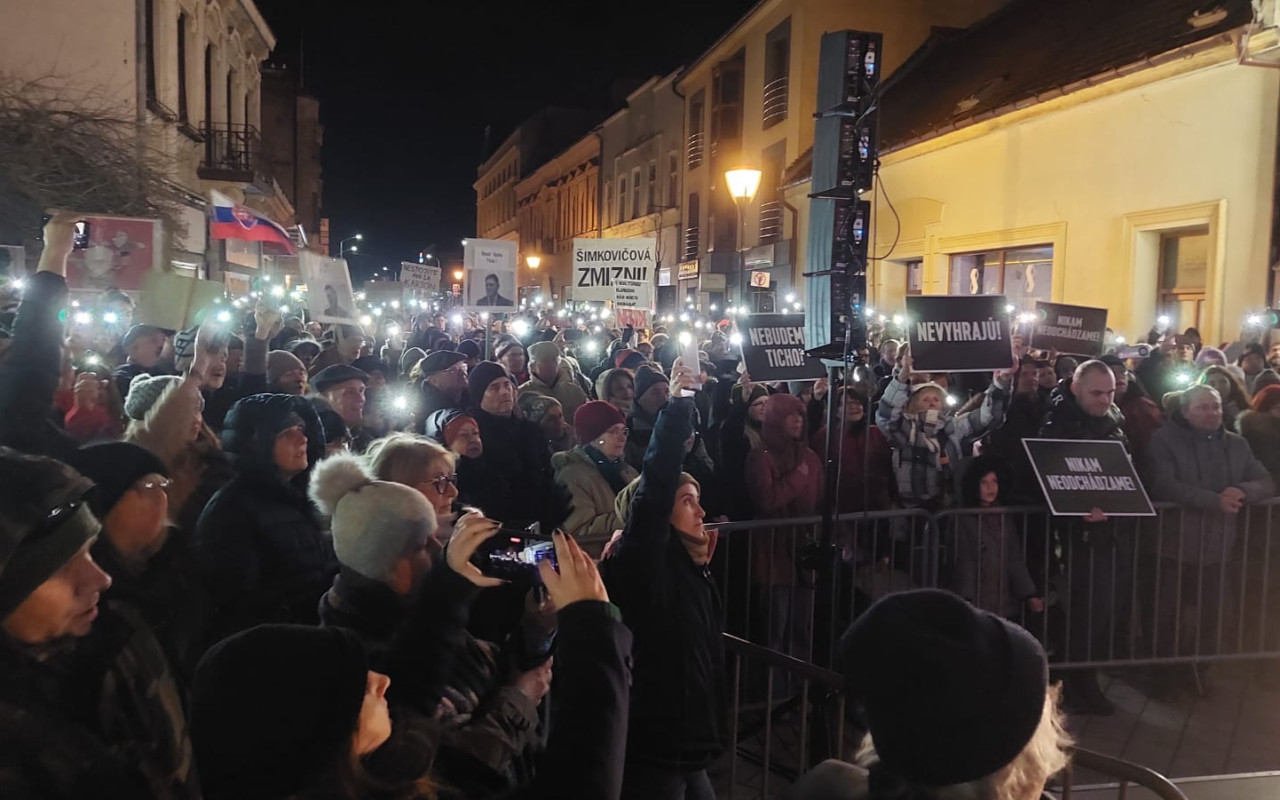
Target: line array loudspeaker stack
{"x": 844, "y": 166}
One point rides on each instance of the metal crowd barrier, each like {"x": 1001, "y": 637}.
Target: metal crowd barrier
{"x": 773, "y": 743}
{"x": 1182, "y": 587}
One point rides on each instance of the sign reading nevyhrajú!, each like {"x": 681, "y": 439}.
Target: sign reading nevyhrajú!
{"x": 773, "y": 348}
{"x": 1077, "y": 330}
{"x": 597, "y": 263}
{"x": 1079, "y": 476}
{"x": 959, "y": 333}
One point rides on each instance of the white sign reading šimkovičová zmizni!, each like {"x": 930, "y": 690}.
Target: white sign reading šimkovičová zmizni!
{"x": 597, "y": 263}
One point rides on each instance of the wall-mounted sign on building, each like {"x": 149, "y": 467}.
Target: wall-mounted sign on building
{"x": 687, "y": 269}
{"x": 760, "y": 280}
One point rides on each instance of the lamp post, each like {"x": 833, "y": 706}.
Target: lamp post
{"x": 743, "y": 184}
{"x": 342, "y": 245}
{"x": 533, "y": 263}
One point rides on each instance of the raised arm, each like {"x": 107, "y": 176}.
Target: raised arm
{"x": 649, "y": 525}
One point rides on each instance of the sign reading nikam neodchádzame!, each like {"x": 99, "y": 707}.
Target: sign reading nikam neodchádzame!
{"x": 1079, "y": 476}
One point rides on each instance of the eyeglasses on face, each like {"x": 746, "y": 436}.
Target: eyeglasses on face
{"x": 155, "y": 483}
{"x": 442, "y": 483}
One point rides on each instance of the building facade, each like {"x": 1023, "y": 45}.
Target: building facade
{"x": 640, "y": 155}
{"x": 556, "y": 203}
{"x": 750, "y": 101}
{"x": 292, "y": 137}
{"x": 187, "y": 71}
{"x": 1134, "y": 172}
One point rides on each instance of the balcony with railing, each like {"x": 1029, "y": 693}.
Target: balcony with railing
{"x": 695, "y": 149}
{"x": 771, "y": 220}
{"x": 233, "y": 153}
{"x": 775, "y": 102}
{"x": 691, "y": 239}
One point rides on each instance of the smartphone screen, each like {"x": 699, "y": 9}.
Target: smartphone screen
{"x": 81, "y": 239}
{"x": 689, "y": 355}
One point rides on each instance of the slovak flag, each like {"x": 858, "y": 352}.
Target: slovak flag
{"x": 229, "y": 220}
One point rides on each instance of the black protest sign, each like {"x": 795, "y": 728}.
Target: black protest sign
{"x": 959, "y": 333}
{"x": 1079, "y": 476}
{"x": 773, "y": 348}
{"x": 1076, "y": 330}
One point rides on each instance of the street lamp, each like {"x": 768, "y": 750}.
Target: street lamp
{"x": 743, "y": 184}
{"x": 533, "y": 261}
{"x": 342, "y": 245}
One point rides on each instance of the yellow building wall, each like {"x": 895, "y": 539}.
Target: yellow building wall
{"x": 1099, "y": 180}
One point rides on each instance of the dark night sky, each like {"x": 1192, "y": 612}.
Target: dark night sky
{"x": 408, "y": 86}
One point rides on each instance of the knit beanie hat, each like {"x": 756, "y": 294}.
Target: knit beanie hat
{"x": 1210, "y": 355}
{"x": 952, "y": 694}
{"x": 758, "y": 390}
{"x": 44, "y": 521}
{"x": 304, "y": 344}
{"x": 274, "y": 708}
{"x": 279, "y": 362}
{"x": 536, "y": 406}
{"x": 628, "y": 359}
{"x": 410, "y": 359}
{"x": 646, "y": 378}
{"x": 370, "y": 364}
{"x": 443, "y": 425}
{"x": 114, "y": 467}
{"x": 144, "y": 392}
{"x": 374, "y": 523}
{"x": 1268, "y": 377}
{"x": 1253, "y": 349}
{"x": 485, "y": 373}
{"x": 469, "y": 348}
{"x": 592, "y": 419}
{"x": 503, "y": 346}
{"x": 1266, "y": 399}
{"x": 543, "y": 351}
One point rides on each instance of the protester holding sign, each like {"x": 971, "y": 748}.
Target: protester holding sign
{"x": 1083, "y": 408}
{"x": 925, "y": 436}
{"x": 960, "y": 333}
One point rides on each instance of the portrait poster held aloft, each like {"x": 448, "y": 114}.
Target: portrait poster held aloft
{"x": 490, "y": 282}
{"x": 329, "y": 295}
{"x": 120, "y": 252}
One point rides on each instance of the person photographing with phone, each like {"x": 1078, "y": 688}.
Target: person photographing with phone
{"x": 657, "y": 574}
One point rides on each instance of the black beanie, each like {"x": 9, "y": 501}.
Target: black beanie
{"x": 274, "y": 708}
{"x": 646, "y": 378}
{"x": 114, "y": 467}
{"x": 952, "y": 693}
{"x": 483, "y": 374}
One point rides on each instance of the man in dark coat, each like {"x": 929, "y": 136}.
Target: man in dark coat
{"x": 516, "y": 450}
{"x": 444, "y": 383}
{"x": 1093, "y": 550}
{"x": 259, "y": 546}
{"x": 658, "y": 576}
{"x": 88, "y": 705}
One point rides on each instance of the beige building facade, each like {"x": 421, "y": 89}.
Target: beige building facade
{"x": 187, "y": 70}
{"x": 555, "y": 204}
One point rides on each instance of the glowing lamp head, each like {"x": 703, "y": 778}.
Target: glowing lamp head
{"x": 743, "y": 183}
{"x": 533, "y": 261}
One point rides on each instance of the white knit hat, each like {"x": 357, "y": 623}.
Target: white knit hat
{"x": 375, "y": 523}
{"x": 144, "y": 391}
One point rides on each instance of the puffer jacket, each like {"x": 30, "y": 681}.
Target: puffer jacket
{"x": 924, "y": 449}
{"x": 516, "y": 453}
{"x": 593, "y": 519}
{"x": 673, "y": 607}
{"x": 260, "y": 550}
{"x": 1262, "y": 432}
{"x": 1191, "y": 467}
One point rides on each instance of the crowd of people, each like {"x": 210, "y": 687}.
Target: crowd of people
{"x": 258, "y": 558}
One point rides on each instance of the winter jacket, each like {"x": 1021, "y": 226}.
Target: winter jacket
{"x": 593, "y": 519}
{"x": 1262, "y": 432}
{"x": 31, "y": 369}
{"x": 565, "y": 389}
{"x": 92, "y": 424}
{"x": 784, "y": 478}
{"x": 990, "y": 562}
{"x": 516, "y": 452}
{"x": 865, "y": 467}
{"x": 489, "y": 726}
{"x": 924, "y": 448}
{"x": 673, "y": 608}
{"x": 99, "y": 716}
{"x": 259, "y": 548}
{"x": 1191, "y": 467}
{"x": 641, "y": 424}
{"x": 1066, "y": 420}
{"x": 251, "y": 380}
